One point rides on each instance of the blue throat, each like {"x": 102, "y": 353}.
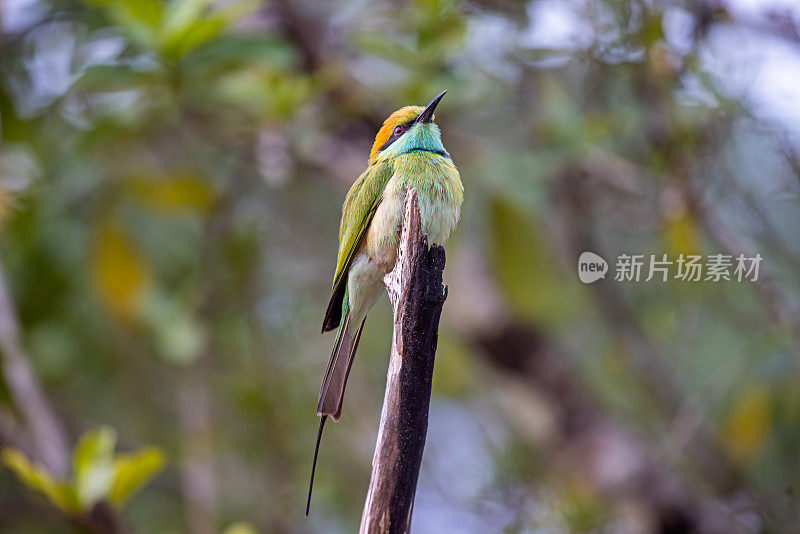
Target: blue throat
{"x": 424, "y": 137}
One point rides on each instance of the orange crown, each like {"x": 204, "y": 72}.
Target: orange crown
{"x": 401, "y": 116}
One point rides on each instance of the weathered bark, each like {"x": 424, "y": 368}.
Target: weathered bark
{"x": 417, "y": 294}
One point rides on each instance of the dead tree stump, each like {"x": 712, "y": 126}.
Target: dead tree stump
{"x": 417, "y": 294}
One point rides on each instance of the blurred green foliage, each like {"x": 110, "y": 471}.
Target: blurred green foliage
{"x": 171, "y": 176}
{"x": 98, "y": 473}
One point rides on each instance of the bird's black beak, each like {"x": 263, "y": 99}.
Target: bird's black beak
{"x": 427, "y": 113}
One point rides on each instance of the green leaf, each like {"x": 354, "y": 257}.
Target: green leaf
{"x": 180, "y": 15}
{"x": 132, "y": 471}
{"x": 93, "y": 465}
{"x": 194, "y": 36}
{"x": 188, "y": 25}
{"x": 35, "y": 477}
{"x": 140, "y": 18}
{"x": 237, "y": 51}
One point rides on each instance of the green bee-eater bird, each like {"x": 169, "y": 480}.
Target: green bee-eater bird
{"x": 408, "y": 152}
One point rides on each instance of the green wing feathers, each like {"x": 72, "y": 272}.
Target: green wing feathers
{"x": 359, "y": 207}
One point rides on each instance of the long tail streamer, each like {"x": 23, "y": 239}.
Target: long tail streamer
{"x": 314, "y": 465}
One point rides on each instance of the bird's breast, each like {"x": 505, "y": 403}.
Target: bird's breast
{"x": 440, "y": 195}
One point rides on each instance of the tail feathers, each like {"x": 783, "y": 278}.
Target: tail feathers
{"x": 331, "y": 393}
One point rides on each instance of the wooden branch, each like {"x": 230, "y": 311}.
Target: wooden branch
{"x": 417, "y": 294}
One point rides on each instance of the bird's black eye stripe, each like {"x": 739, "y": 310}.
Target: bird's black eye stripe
{"x": 394, "y": 137}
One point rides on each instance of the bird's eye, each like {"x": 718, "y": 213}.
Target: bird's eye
{"x": 398, "y": 130}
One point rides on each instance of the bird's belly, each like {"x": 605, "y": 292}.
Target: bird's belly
{"x": 439, "y": 217}
{"x": 438, "y": 211}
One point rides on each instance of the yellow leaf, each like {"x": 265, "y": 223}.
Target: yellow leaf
{"x": 35, "y": 477}
{"x": 681, "y": 232}
{"x": 121, "y": 274}
{"x": 682, "y": 236}
{"x": 132, "y": 471}
{"x": 749, "y": 424}
{"x": 173, "y": 193}
{"x": 240, "y": 528}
